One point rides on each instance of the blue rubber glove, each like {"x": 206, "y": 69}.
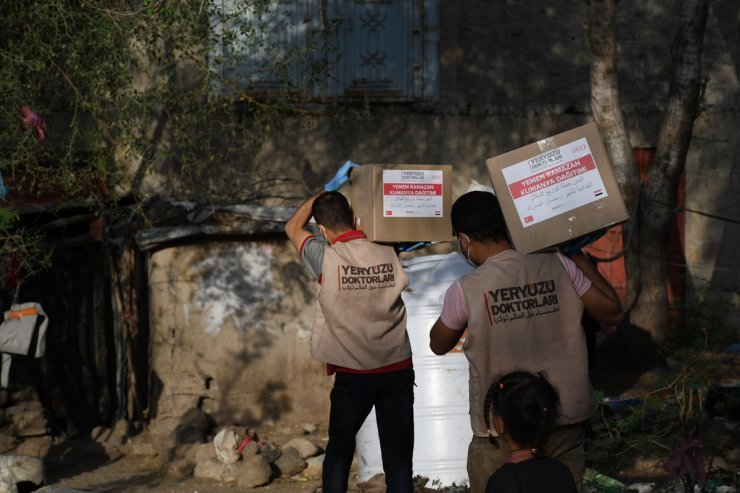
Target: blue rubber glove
{"x": 341, "y": 177}
{"x": 574, "y": 247}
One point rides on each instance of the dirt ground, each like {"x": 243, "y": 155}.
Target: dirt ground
{"x": 135, "y": 474}
{"x": 132, "y": 474}
{"x": 80, "y": 463}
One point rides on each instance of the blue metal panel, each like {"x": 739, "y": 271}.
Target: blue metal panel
{"x": 382, "y": 50}
{"x": 263, "y": 48}
{"x": 430, "y": 59}
{"x": 216, "y": 47}
{"x": 377, "y": 53}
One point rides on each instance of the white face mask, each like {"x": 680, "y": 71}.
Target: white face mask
{"x": 467, "y": 251}
{"x": 322, "y": 231}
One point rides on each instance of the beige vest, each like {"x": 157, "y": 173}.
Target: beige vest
{"x": 361, "y": 320}
{"x": 524, "y": 314}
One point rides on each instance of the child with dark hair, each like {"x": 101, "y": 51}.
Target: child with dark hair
{"x": 523, "y": 408}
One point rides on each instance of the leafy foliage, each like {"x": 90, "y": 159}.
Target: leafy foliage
{"x": 674, "y": 423}
{"x": 127, "y": 87}
{"x": 20, "y": 252}
{"x": 705, "y": 327}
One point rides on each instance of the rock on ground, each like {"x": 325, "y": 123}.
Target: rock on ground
{"x": 19, "y": 468}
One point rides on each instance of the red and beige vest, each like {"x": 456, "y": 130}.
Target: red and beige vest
{"x": 524, "y": 314}
{"x": 361, "y": 320}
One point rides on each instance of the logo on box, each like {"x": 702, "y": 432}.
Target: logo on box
{"x": 528, "y": 219}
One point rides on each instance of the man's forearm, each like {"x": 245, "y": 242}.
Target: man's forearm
{"x": 590, "y": 271}
{"x": 295, "y": 227}
{"x": 302, "y": 214}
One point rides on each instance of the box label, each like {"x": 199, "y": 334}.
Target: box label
{"x": 412, "y": 193}
{"x": 554, "y": 182}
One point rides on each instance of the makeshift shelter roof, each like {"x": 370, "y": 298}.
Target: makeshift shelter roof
{"x": 173, "y": 220}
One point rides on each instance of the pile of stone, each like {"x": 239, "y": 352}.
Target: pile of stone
{"x": 232, "y": 454}
{"x": 236, "y": 455}
{"x": 24, "y": 438}
{"x": 23, "y": 426}
{"x": 227, "y": 454}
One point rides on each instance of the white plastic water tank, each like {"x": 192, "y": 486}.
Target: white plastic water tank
{"x": 441, "y": 420}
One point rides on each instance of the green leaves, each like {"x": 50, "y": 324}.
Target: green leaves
{"x": 7, "y": 218}
{"x": 127, "y": 90}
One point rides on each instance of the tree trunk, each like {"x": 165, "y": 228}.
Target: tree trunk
{"x": 607, "y": 111}
{"x": 658, "y": 198}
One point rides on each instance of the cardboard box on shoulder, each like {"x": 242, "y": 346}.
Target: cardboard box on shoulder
{"x": 557, "y": 189}
{"x": 402, "y": 202}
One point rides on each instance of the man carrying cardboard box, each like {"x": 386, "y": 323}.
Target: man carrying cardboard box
{"x": 530, "y": 320}
{"x": 360, "y": 332}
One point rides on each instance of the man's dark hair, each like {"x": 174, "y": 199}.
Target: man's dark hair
{"x": 478, "y": 215}
{"x": 332, "y": 210}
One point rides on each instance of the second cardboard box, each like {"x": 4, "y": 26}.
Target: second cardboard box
{"x": 557, "y": 189}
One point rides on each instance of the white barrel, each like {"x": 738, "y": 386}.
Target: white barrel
{"x": 441, "y": 420}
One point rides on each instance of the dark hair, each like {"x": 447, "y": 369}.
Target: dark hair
{"x": 478, "y": 215}
{"x": 527, "y": 404}
{"x": 332, "y": 210}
